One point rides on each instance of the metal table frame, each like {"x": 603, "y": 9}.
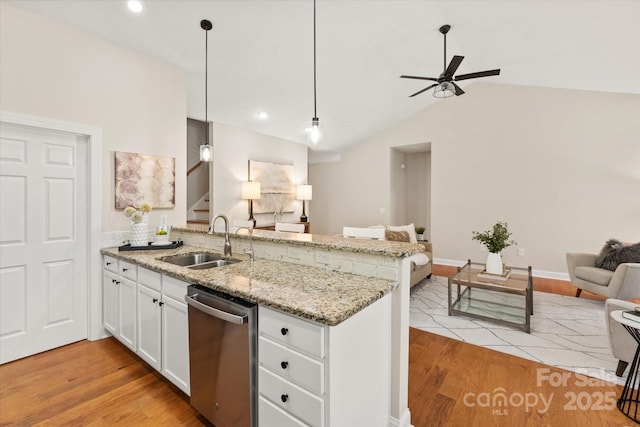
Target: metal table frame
{"x": 469, "y": 283}
{"x": 629, "y": 401}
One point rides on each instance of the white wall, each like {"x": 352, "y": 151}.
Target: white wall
{"x": 418, "y": 171}
{"x": 562, "y": 167}
{"x": 232, "y": 149}
{"x": 52, "y": 71}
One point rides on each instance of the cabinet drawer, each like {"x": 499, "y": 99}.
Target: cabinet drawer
{"x": 291, "y": 331}
{"x": 151, "y": 279}
{"x": 174, "y": 288}
{"x": 270, "y": 415}
{"x": 291, "y": 398}
{"x": 110, "y": 263}
{"x": 127, "y": 270}
{"x": 291, "y": 365}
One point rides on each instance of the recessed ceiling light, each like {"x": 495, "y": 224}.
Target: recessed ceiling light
{"x": 134, "y": 6}
{"x": 262, "y": 115}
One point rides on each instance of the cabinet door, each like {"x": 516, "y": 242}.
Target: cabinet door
{"x": 149, "y": 324}
{"x": 175, "y": 343}
{"x": 110, "y": 303}
{"x": 127, "y": 325}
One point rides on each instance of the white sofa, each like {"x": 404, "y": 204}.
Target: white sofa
{"x": 419, "y": 271}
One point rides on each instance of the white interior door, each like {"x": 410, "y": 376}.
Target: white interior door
{"x": 43, "y": 240}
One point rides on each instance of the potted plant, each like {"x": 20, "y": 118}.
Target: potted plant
{"x": 139, "y": 235}
{"x": 495, "y": 240}
{"x": 420, "y": 233}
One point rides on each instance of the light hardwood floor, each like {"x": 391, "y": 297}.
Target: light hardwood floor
{"x": 103, "y": 383}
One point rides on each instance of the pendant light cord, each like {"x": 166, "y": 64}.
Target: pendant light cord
{"x": 206, "y": 83}
{"x": 315, "y": 113}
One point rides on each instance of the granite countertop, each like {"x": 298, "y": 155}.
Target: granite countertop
{"x": 324, "y": 296}
{"x": 321, "y": 241}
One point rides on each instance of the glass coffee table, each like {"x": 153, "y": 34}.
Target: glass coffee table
{"x": 507, "y": 302}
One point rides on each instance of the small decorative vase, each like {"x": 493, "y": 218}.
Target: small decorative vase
{"x": 139, "y": 235}
{"x": 494, "y": 263}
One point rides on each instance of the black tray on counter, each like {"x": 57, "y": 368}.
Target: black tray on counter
{"x": 150, "y": 247}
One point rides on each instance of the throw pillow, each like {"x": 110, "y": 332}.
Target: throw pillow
{"x": 614, "y": 253}
{"x": 396, "y": 236}
{"x": 411, "y": 229}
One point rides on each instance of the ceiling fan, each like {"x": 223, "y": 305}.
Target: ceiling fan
{"x": 445, "y": 86}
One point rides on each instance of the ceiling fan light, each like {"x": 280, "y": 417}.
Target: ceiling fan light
{"x": 444, "y": 90}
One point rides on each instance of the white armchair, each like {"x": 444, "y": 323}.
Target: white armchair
{"x": 623, "y": 346}
{"x": 624, "y": 283}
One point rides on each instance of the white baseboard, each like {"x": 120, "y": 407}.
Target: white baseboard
{"x": 404, "y": 421}
{"x": 536, "y": 273}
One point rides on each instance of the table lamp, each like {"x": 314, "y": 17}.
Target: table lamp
{"x": 303, "y": 192}
{"x": 251, "y": 192}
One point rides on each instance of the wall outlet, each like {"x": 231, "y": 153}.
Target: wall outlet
{"x": 520, "y": 251}
{"x": 323, "y": 257}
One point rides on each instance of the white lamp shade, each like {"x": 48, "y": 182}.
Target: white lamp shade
{"x": 304, "y": 192}
{"x": 250, "y": 190}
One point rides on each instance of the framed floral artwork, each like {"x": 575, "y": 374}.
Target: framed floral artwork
{"x": 141, "y": 178}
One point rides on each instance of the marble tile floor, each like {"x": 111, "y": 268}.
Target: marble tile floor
{"x": 566, "y": 332}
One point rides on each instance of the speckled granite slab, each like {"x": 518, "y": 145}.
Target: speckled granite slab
{"x": 324, "y": 296}
{"x": 320, "y": 241}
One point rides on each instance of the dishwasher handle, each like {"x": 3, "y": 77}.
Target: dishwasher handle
{"x": 220, "y": 314}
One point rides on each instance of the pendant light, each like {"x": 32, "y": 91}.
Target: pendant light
{"x": 314, "y": 133}
{"x": 206, "y": 150}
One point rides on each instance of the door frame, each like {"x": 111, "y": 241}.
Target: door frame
{"x": 94, "y": 207}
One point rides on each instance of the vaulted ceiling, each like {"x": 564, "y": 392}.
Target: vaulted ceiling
{"x": 261, "y": 53}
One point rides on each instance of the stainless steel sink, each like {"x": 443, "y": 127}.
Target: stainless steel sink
{"x": 212, "y": 264}
{"x": 199, "y": 261}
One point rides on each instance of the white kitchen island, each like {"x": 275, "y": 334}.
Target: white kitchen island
{"x": 352, "y": 293}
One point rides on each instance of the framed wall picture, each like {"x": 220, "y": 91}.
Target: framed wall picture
{"x": 143, "y": 178}
{"x": 277, "y": 188}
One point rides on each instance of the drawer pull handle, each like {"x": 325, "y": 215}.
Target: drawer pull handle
{"x": 113, "y": 280}
{"x": 160, "y": 303}
{"x": 155, "y": 300}
{"x": 284, "y": 364}
{"x": 124, "y": 269}
{"x": 108, "y": 263}
{"x": 284, "y": 398}
{"x": 284, "y": 331}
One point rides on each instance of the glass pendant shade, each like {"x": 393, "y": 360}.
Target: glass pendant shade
{"x": 314, "y": 132}
{"x": 444, "y": 90}
{"x": 206, "y": 153}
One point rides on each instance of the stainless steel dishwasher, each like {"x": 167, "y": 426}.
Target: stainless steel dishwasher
{"x": 222, "y": 357}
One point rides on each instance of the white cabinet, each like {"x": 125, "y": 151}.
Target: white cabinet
{"x": 175, "y": 342}
{"x": 119, "y": 300}
{"x": 316, "y": 375}
{"x": 163, "y": 329}
{"x": 149, "y": 317}
{"x": 145, "y": 310}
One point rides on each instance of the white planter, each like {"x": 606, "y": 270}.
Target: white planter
{"x": 494, "y": 263}
{"x": 139, "y": 234}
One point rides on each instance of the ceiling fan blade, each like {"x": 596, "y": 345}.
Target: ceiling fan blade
{"x": 459, "y": 90}
{"x": 478, "y": 74}
{"x": 433, "y": 79}
{"x": 426, "y": 88}
{"x": 453, "y": 66}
